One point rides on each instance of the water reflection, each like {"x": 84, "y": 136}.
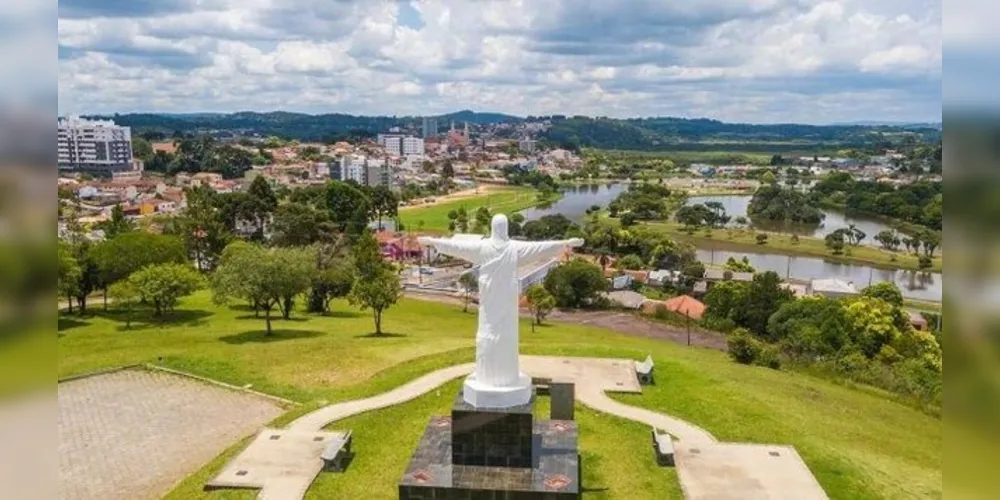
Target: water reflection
{"x": 914, "y": 284}
{"x": 576, "y": 200}
{"x": 736, "y": 206}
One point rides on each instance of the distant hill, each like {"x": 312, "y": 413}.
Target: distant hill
{"x": 648, "y": 134}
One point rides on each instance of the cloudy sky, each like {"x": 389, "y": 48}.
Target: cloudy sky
{"x": 808, "y": 61}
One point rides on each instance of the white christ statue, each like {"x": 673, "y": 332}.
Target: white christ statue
{"x": 497, "y": 381}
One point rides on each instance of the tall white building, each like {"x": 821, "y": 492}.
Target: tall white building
{"x": 429, "y": 127}
{"x": 401, "y": 145}
{"x": 363, "y": 170}
{"x": 93, "y": 145}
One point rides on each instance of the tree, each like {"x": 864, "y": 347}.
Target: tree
{"x": 384, "y": 203}
{"x": 887, "y": 239}
{"x": 262, "y": 202}
{"x": 141, "y": 148}
{"x": 764, "y": 296}
{"x": 482, "y": 220}
{"x": 125, "y": 296}
{"x": 162, "y": 285}
{"x": 349, "y": 207}
{"x": 853, "y": 235}
{"x": 462, "y": 220}
{"x": 69, "y": 272}
{"x": 118, "y": 258}
{"x": 328, "y": 283}
{"x": 117, "y": 224}
{"x": 377, "y": 284}
{"x": 378, "y": 293}
{"x": 447, "y": 170}
{"x": 540, "y": 302}
{"x": 743, "y": 348}
{"x": 469, "y": 284}
{"x": 835, "y": 242}
{"x": 871, "y": 324}
{"x": 886, "y": 291}
{"x": 931, "y": 241}
{"x": 724, "y": 299}
{"x": 768, "y": 178}
{"x": 265, "y": 277}
{"x": 742, "y": 265}
{"x": 201, "y": 228}
{"x": 761, "y": 238}
{"x": 577, "y": 283}
{"x": 630, "y": 261}
{"x": 299, "y": 224}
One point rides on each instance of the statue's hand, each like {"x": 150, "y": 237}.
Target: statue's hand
{"x": 576, "y": 242}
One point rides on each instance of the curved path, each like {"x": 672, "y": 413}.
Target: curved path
{"x": 590, "y": 390}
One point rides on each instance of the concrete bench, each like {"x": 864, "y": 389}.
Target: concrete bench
{"x": 644, "y": 371}
{"x": 336, "y": 453}
{"x": 663, "y": 446}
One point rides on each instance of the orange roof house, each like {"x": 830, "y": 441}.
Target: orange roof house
{"x": 686, "y": 305}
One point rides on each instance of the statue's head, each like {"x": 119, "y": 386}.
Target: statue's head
{"x": 499, "y": 227}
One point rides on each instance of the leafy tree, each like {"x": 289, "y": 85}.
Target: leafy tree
{"x": 761, "y": 238}
{"x": 265, "y": 277}
{"x": 548, "y": 227}
{"x": 299, "y": 224}
{"x": 809, "y": 328}
{"x": 931, "y": 241}
{"x": 329, "y": 283}
{"x": 162, "y": 285}
{"x": 462, "y": 220}
{"x": 764, "y": 296}
{"x": 771, "y": 202}
{"x": 835, "y": 242}
{"x": 886, "y": 291}
{"x": 117, "y": 224}
{"x": 384, "y": 204}
{"x": 119, "y": 257}
{"x": 69, "y": 272}
{"x": 201, "y": 227}
{"x": 871, "y": 324}
{"x": 349, "y": 207}
{"x": 482, "y": 220}
{"x": 515, "y": 225}
{"x": 725, "y": 298}
{"x": 141, "y": 148}
{"x": 577, "y": 283}
{"x": 377, "y": 284}
{"x": 125, "y": 296}
{"x": 378, "y": 293}
{"x": 469, "y": 284}
{"x": 540, "y": 302}
{"x": 888, "y": 239}
{"x": 630, "y": 261}
{"x": 447, "y": 170}
{"x": 742, "y": 266}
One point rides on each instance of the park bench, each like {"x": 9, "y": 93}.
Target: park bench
{"x": 644, "y": 371}
{"x": 663, "y": 446}
{"x": 337, "y": 453}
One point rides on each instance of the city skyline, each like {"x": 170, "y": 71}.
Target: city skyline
{"x": 768, "y": 61}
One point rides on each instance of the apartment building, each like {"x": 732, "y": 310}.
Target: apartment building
{"x": 363, "y": 170}
{"x": 97, "y": 146}
{"x": 430, "y": 126}
{"x": 401, "y": 145}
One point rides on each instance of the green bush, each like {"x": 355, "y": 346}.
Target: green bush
{"x": 925, "y": 262}
{"x": 769, "y": 357}
{"x": 743, "y": 348}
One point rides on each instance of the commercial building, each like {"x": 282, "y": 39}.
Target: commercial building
{"x": 97, "y": 146}
{"x": 430, "y": 126}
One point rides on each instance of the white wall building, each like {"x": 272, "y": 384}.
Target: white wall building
{"x": 93, "y": 145}
{"x": 401, "y": 145}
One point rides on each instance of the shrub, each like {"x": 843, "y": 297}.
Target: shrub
{"x": 769, "y": 357}
{"x": 761, "y": 238}
{"x": 925, "y": 262}
{"x": 743, "y": 348}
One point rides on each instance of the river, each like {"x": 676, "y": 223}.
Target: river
{"x": 914, "y": 284}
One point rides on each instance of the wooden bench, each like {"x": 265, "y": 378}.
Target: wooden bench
{"x": 337, "y": 453}
{"x": 644, "y": 371}
{"x": 663, "y": 446}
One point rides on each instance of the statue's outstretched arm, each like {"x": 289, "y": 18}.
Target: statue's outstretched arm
{"x": 465, "y": 250}
{"x": 543, "y": 250}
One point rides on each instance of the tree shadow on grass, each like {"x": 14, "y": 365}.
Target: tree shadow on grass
{"x": 273, "y": 318}
{"x": 68, "y": 323}
{"x": 261, "y": 336}
{"x": 340, "y": 314}
{"x": 383, "y": 335}
{"x": 143, "y": 319}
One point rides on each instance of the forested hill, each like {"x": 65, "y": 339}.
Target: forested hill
{"x": 704, "y": 134}
{"x": 576, "y": 131}
{"x": 287, "y": 125}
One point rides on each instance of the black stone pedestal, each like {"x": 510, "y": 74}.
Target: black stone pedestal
{"x": 496, "y": 437}
{"x": 494, "y": 454}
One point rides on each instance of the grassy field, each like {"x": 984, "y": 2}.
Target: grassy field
{"x": 806, "y": 246}
{"x": 435, "y": 217}
{"x": 859, "y": 444}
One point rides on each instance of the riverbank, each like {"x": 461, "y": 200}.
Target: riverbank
{"x": 507, "y": 200}
{"x": 782, "y": 243}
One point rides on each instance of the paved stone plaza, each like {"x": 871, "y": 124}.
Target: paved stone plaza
{"x": 133, "y": 434}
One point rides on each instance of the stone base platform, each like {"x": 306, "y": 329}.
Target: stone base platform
{"x": 554, "y": 474}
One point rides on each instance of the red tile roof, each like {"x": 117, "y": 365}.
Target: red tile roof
{"x": 686, "y": 305}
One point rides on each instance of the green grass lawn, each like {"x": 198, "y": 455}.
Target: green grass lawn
{"x": 859, "y": 443}
{"x": 807, "y": 246}
{"x": 504, "y": 200}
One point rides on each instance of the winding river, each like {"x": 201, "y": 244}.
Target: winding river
{"x": 914, "y": 284}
